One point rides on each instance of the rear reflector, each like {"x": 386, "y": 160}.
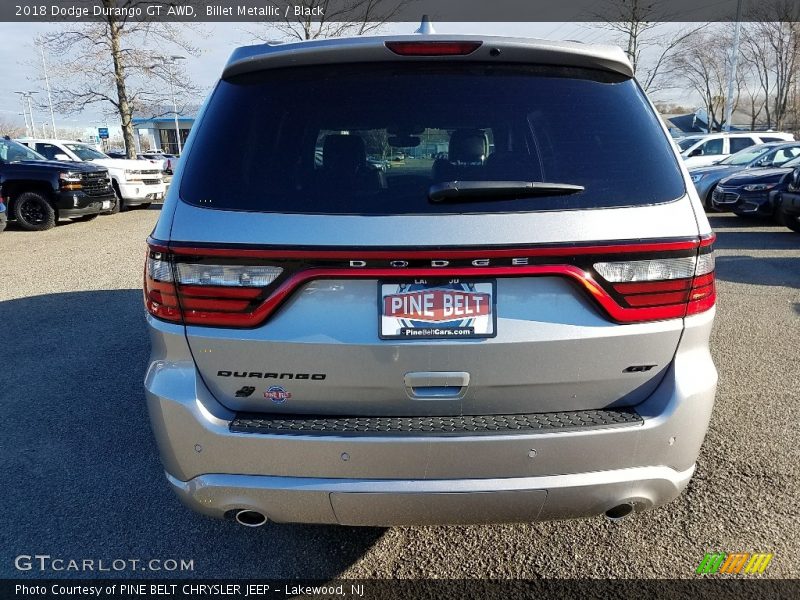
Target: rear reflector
{"x": 433, "y": 48}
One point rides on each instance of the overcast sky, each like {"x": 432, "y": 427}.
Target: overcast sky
{"x": 224, "y": 37}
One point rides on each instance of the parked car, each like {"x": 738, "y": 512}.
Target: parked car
{"x": 38, "y": 192}
{"x": 379, "y": 164}
{"x": 3, "y": 215}
{"x": 515, "y": 339}
{"x": 167, "y": 162}
{"x": 135, "y": 182}
{"x": 707, "y": 149}
{"x": 753, "y": 193}
{"x": 773, "y": 154}
{"x": 788, "y": 202}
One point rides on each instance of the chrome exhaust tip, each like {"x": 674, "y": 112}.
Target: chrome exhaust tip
{"x": 619, "y": 512}
{"x": 250, "y": 518}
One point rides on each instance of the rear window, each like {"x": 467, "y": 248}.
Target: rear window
{"x": 738, "y": 144}
{"x": 13, "y": 152}
{"x": 85, "y": 152}
{"x": 687, "y": 143}
{"x": 373, "y": 139}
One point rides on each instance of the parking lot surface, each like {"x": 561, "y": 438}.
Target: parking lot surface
{"x": 82, "y": 478}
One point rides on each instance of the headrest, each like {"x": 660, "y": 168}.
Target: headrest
{"x": 468, "y": 146}
{"x": 343, "y": 153}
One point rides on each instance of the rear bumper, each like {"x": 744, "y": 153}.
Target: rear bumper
{"x": 415, "y": 479}
{"x": 77, "y": 204}
{"x": 140, "y": 193}
{"x": 387, "y": 503}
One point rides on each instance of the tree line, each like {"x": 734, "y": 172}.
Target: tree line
{"x": 127, "y": 67}
{"x": 696, "y": 59}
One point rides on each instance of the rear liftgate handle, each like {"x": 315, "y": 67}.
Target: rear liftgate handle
{"x": 436, "y": 385}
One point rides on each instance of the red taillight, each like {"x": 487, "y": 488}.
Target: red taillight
{"x": 199, "y": 293}
{"x": 663, "y": 287}
{"x": 703, "y": 294}
{"x": 433, "y": 48}
{"x": 160, "y": 295}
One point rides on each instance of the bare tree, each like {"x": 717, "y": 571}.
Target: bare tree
{"x": 771, "y": 47}
{"x": 377, "y": 142}
{"x": 644, "y": 39}
{"x": 329, "y": 19}
{"x": 753, "y": 97}
{"x": 703, "y": 62}
{"x": 115, "y": 64}
{"x": 11, "y": 129}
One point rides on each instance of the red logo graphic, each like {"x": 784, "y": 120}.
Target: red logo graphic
{"x": 277, "y": 394}
{"x": 436, "y": 305}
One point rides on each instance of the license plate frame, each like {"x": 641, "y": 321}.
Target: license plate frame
{"x": 477, "y": 326}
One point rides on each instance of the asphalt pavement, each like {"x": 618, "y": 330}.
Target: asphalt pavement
{"x": 81, "y": 477}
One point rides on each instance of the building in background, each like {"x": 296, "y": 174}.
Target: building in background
{"x": 159, "y": 133}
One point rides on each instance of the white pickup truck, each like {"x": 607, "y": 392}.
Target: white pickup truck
{"x": 136, "y": 182}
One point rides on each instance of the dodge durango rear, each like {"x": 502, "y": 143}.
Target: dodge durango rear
{"x": 445, "y": 279}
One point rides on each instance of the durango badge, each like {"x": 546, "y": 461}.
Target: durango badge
{"x": 277, "y": 394}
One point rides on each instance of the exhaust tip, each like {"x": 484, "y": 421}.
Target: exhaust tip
{"x": 250, "y": 518}
{"x": 619, "y": 512}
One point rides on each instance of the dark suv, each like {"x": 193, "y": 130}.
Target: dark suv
{"x": 38, "y": 191}
{"x": 515, "y": 330}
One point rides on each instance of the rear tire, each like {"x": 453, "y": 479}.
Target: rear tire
{"x": 33, "y": 212}
{"x": 119, "y": 205}
{"x": 792, "y": 222}
{"x": 85, "y": 218}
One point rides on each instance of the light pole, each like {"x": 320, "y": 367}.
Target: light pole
{"x": 30, "y": 110}
{"x": 29, "y": 95}
{"x": 170, "y": 61}
{"x": 49, "y": 98}
{"x": 24, "y": 113}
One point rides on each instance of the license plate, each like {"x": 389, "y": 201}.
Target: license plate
{"x": 437, "y": 309}
{"x": 106, "y": 204}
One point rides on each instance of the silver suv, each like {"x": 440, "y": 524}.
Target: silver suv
{"x": 509, "y": 324}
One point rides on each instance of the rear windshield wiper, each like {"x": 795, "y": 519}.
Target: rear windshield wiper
{"x": 476, "y": 191}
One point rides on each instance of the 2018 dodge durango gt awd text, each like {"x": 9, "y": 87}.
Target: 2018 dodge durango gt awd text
{"x": 511, "y": 324}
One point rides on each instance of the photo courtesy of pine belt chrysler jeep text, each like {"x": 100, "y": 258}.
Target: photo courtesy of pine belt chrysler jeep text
{"x": 509, "y": 324}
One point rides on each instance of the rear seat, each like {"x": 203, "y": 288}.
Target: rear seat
{"x": 345, "y": 167}
{"x": 467, "y": 152}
